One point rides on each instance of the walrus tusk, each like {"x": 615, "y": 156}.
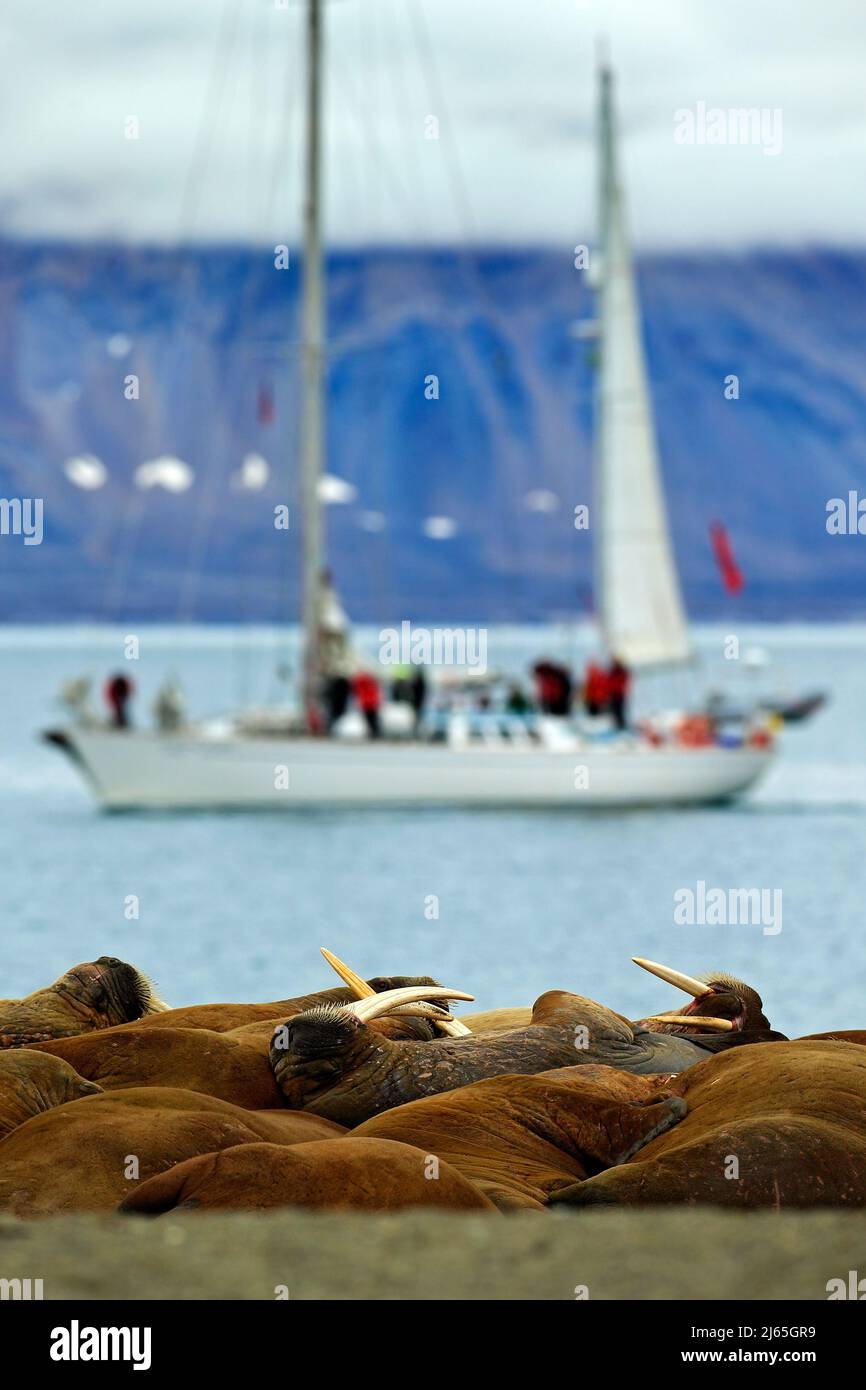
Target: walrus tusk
{"x": 687, "y": 983}
{"x": 423, "y": 1009}
{"x": 360, "y": 987}
{"x": 426, "y": 1009}
{"x": 446, "y": 1024}
{"x": 721, "y": 1025}
{"x": 365, "y": 1010}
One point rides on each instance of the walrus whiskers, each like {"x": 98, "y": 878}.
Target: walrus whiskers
{"x": 153, "y": 1004}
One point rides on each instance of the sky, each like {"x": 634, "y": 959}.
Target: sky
{"x": 211, "y": 93}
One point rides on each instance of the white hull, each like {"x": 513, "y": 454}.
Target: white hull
{"x": 141, "y": 770}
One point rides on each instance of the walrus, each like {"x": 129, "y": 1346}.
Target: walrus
{"x": 89, "y": 1154}
{"x": 519, "y": 1138}
{"x": 329, "y": 1060}
{"x": 779, "y": 1124}
{"x": 223, "y": 1018}
{"x": 31, "y": 1083}
{"x": 95, "y": 994}
{"x": 233, "y": 1065}
{"x": 337, "y": 1174}
{"x": 724, "y": 1011}
{"x": 721, "y": 1004}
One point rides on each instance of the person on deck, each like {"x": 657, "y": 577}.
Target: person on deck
{"x": 596, "y": 690}
{"x": 335, "y": 698}
{"x": 619, "y": 688}
{"x": 368, "y": 698}
{"x": 118, "y": 693}
{"x": 552, "y": 688}
{"x": 417, "y": 694}
{"x": 516, "y": 701}
{"x": 169, "y": 707}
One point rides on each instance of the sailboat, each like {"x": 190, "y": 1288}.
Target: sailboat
{"x": 244, "y": 763}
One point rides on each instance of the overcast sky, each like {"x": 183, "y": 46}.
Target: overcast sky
{"x": 216, "y": 88}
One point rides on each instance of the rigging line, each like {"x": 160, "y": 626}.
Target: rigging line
{"x": 222, "y": 69}
{"x": 133, "y": 513}
{"x": 403, "y": 102}
{"x": 237, "y": 665}
{"x": 374, "y": 543}
{"x": 284, "y": 129}
{"x": 372, "y": 106}
{"x": 136, "y": 503}
{"x": 435, "y": 92}
{"x": 256, "y": 85}
{"x": 267, "y": 185}
{"x": 385, "y": 167}
{"x": 211, "y": 106}
{"x": 430, "y": 73}
{"x": 279, "y": 353}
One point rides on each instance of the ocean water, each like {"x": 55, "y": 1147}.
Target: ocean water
{"x": 235, "y": 907}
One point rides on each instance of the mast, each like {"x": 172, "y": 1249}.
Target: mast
{"x": 313, "y": 357}
{"x": 637, "y": 588}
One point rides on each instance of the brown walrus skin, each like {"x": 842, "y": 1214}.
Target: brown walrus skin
{"x": 792, "y": 1115}
{"x": 495, "y": 1020}
{"x": 221, "y": 1018}
{"x": 357, "y": 1174}
{"x": 329, "y": 1063}
{"x": 95, "y": 994}
{"x": 77, "y": 1156}
{"x": 31, "y": 1083}
{"x": 519, "y": 1138}
{"x": 851, "y": 1035}
{"x": 214, "y": 1064}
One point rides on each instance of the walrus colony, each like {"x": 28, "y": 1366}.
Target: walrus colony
{"x": 374, "y": 1096}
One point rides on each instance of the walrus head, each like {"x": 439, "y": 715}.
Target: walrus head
{"x": 314, "y": 1047}
{"x": 95, "y": 994}
{"x": 324, "y": 1031}
{"x": 729, "y": 998}
{"x": 720, "y": 1004}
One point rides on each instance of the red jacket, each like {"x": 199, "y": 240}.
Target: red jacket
{"x": 366, "y": 692}
{"x": 597, "y": 688}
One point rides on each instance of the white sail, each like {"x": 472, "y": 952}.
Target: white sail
{"x": 637, "y": 589}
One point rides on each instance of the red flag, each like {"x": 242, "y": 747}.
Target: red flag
{"x": 732, "y": 575}
{"x": 266, "y": 406}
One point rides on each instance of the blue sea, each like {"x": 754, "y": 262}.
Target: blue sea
{"x": 235, "y": 907}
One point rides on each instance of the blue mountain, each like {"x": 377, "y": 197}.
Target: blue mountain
{"x": 499, "y": 444}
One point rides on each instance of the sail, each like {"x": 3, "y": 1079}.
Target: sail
{"x": 636, "y": 585}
